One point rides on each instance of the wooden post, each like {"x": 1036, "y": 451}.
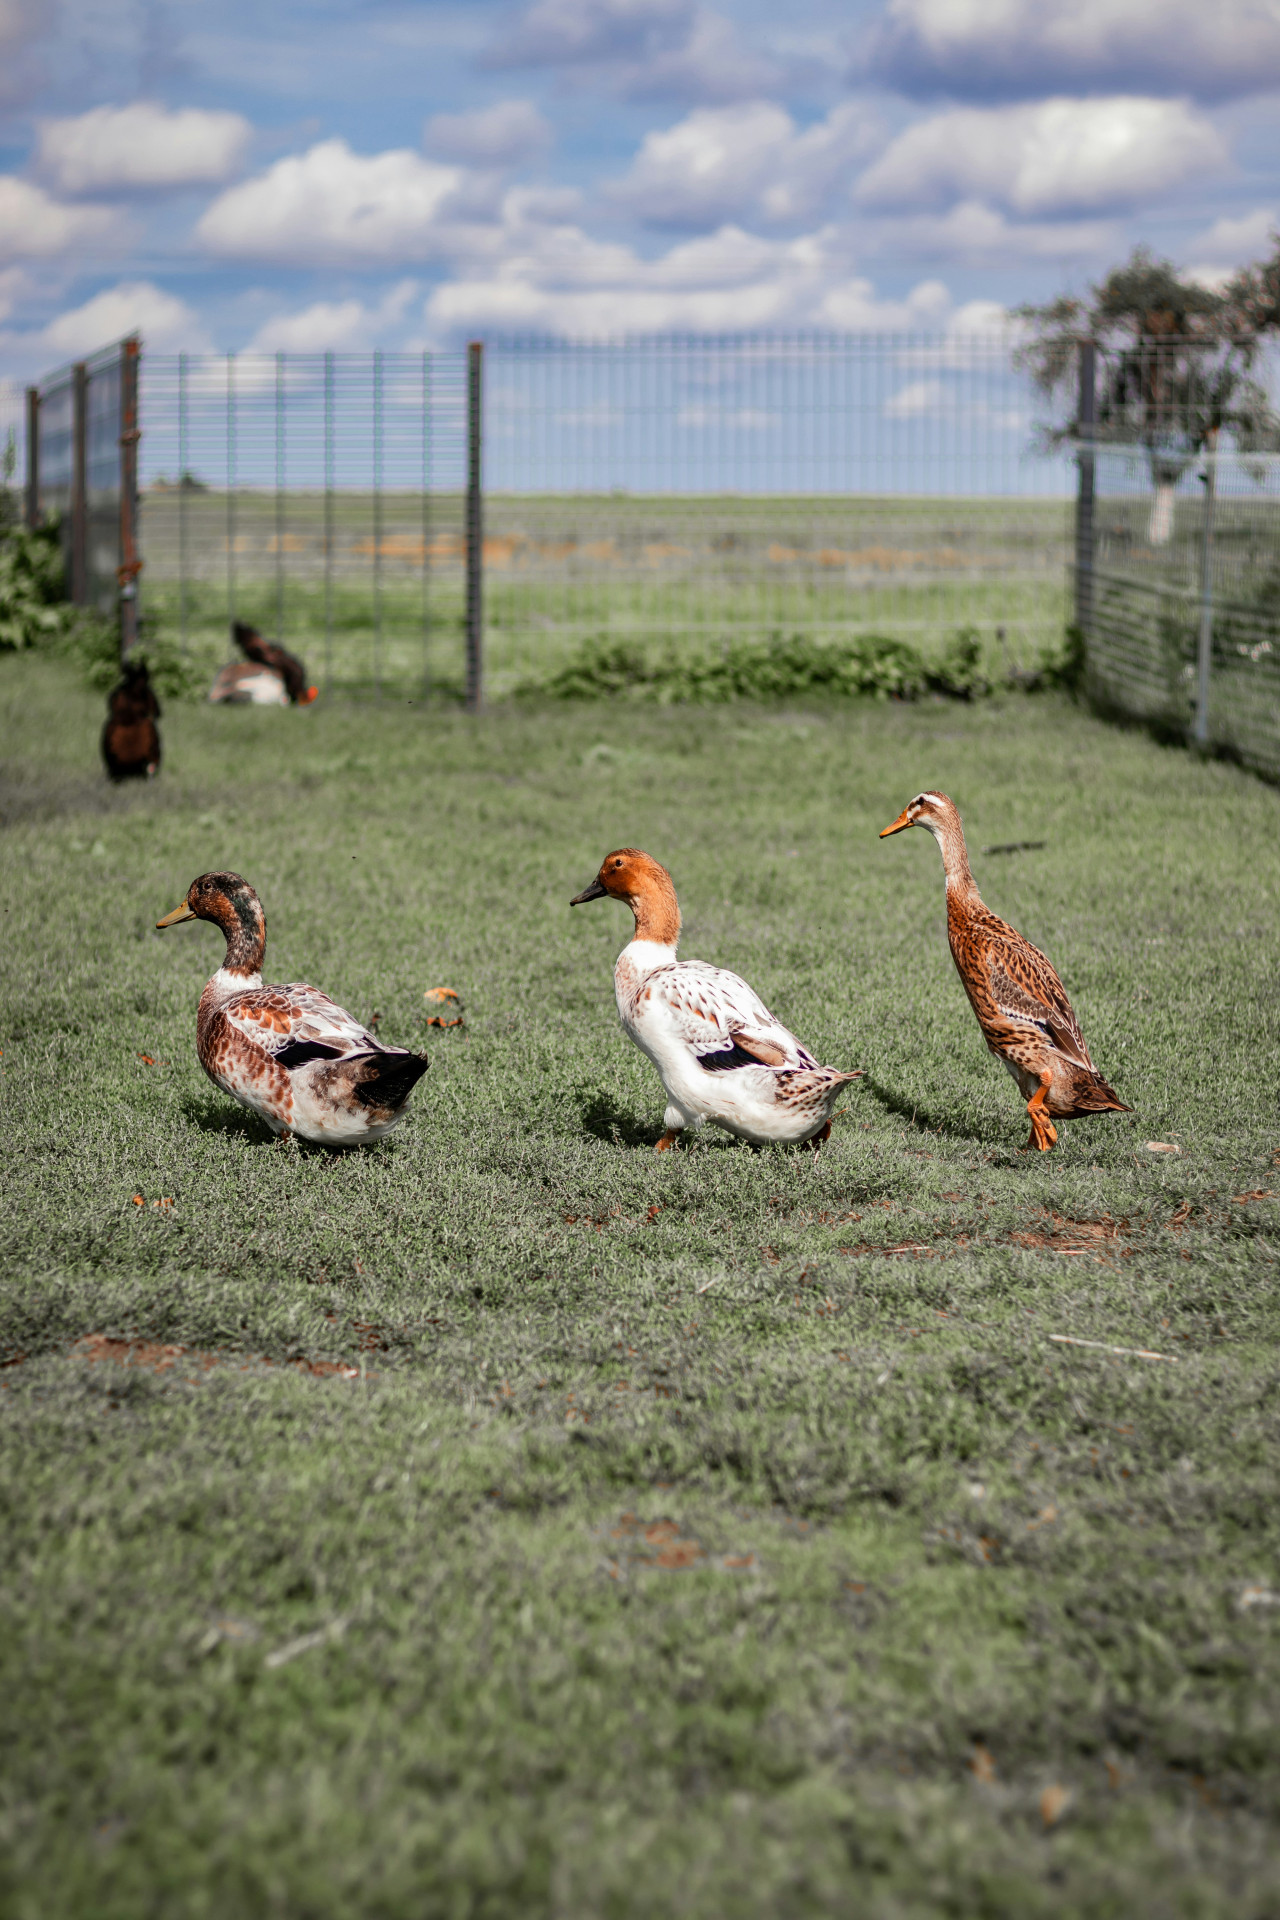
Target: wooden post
{"x": 31, "y": 514}
{"x": 475, "y": 524}
{"x": 79, "y": 582}
{"x": 1086, "y": 420}
{"x": 130, "y": 433}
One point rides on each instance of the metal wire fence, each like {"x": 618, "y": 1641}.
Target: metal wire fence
{"x": 669, "y": 492}
{"x": 1178, "y": 560}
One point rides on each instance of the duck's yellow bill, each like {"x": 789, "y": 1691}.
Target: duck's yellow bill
{"x": 179, "y": 913}
{"x": 903, "y": 820}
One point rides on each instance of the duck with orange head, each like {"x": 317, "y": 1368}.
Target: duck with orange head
{"x": 1021, "y": 1005}
{"x": 720, "y": 1054}
{"x": 289, "y": 1053}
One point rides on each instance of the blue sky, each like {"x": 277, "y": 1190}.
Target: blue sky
{"x": 310, "y": 174}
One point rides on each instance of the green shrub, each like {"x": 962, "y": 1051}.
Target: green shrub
{"x": 782, "y": 667}
{"x": 33, "y": 595}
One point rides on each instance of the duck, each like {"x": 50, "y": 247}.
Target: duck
{"x": 130, "y": 736}
{"x": 278, "y": 659}
{"x": 720, "y": 1054}
{"x": 1020, "y": 1003}
{"x": 289, "y": 1053}
{"x": 268, "y": 676}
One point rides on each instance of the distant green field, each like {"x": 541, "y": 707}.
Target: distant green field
{"x": 561, "y": 569}
{"x": 506, "y": 1521}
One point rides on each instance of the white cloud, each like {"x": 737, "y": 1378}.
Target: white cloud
{"x": 21, "y": 22}
{"x": 142, "y": 145}
{"x": 916, "y": 399}
{"x": 1002, "y": 49}
{"x": 1059, "y": 156}
{"x": 135, "y": 306}
{"x": 497, "y": 136}
{"x": 647, "y": 49}
{"x": 559, "y": 280}
{"x": 722, "y": 163}
{"x": 332, "y": 206}
{"x": 980, "y": 235}
{"x": 1233, "y": 243}
{"x": 334, "y": 325}
{"x": 34, "y": 226}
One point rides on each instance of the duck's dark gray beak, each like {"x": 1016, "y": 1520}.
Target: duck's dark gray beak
{"x": 594, "y": 892}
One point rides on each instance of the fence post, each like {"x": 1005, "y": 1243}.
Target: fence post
{"x": 79, "y": 555}
{"x": 1086, "y": 419}
{"x": 475, "y": 523}
{"x": 32, "y": 510}
{"x": 130, "y": 433}
{"x": 1204, "y": 643}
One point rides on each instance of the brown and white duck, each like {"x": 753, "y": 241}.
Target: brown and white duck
{"x": 1021, "y": 1005}
{"x": 289, "y": 1053}
{"x": 268, "y": 676}
{"x": 130, "y": 737}
{"x": 720, "y": 1054}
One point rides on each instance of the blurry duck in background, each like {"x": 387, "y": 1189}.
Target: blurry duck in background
{"x": 720, "y": 1054}
{"x": 289, "y": 1053}
{"x": 130, "y": 737}
{"x": 268, "y": 676}
{"x": 1020, "y": 1003}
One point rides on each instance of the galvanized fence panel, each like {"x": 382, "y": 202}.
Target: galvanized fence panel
{"x": 669, "y": 492}
{"x": 673, "y": 492}
{"x": 317, "y": 497}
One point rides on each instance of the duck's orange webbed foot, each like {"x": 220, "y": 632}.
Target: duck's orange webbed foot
{"x": 1043, "y": 1131}
{"x": 668, "y": 1140}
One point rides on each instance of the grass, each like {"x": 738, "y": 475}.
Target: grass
{"x": 713, "y": 1534}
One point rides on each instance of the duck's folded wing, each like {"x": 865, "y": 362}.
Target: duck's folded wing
{"x": 1027, "y": 990}
{"x": 295, "y": 1024}
{"x": 723, "y": 1022}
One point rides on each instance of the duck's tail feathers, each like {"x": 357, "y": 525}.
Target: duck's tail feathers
{"x": 386, "y": 1079}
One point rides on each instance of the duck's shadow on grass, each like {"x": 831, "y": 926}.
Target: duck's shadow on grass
{"x": 923, "y": 1119}
{"x": 617, "y": 1126}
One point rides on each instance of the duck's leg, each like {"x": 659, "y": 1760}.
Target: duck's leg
{"x": 668, "y": 1140}
{"x": 815, "y": 1140}
{"x": 1043, "y": 1131}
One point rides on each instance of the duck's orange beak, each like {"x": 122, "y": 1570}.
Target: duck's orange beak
{"x": 305, "y": 699}
{"x": 903, "y": 820}
{"x": 179, "y": 913}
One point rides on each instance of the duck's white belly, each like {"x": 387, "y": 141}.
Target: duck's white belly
{"x": 742, "y": 1100}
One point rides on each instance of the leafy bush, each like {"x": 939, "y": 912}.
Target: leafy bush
{"x": 958, "y": 672}
{"x": 92, "y": 640}
{"x": 33, "y": 596}
{"x": 781, "y": 667}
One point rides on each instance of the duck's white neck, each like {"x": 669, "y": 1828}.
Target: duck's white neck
{"x": 227, "y": 981}
{"x": 642, "y": 956}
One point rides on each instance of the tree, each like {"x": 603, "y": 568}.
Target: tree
{"x": 1175, "y": 365}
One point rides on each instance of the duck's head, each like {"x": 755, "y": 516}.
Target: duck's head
{"x": 231, "y": 904}
{"x": 636, "y": 877}
{"x": 932, "y": 811}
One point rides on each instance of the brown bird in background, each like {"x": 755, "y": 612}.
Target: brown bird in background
{"x": 1021, "y": 1005}
{"x": 287, "y": 665}
{"x": 131, "y": 738}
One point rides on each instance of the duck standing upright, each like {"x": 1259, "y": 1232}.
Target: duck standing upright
{"x": 289, "y": 1053}
{"x": 720, "y": 1054}
{"x": 130, "y": 736}
{"x": 1021, "y": 1005}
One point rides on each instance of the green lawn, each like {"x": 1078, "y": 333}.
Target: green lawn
{"x": 713, "y": 1534}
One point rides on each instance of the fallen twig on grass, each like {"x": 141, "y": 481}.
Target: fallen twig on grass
{"x": 1134, "y": 1353}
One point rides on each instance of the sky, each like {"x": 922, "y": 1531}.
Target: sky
{"x": 314, "y": 174}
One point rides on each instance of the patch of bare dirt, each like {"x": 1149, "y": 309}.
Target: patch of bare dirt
{"x": 190, "y": 1362}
